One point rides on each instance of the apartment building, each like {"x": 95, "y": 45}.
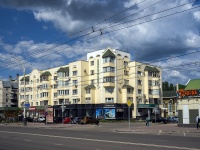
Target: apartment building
{"x": 98, "y": 87}
{"x": 8, "y": 94}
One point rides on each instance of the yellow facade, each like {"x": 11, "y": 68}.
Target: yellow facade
{"x": 108, "y": 76}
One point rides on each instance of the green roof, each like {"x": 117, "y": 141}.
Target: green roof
{"x": 108, "y": 53}
{"x": 152, "y": 69}
{"x": 193, "y": 85}
{"x": 46, "y": 73}
{"x": 26, "y": 78}
{"x": 90, "y": 87}
{"x": 180, "y": 86}
{"x": 65, "y": 69}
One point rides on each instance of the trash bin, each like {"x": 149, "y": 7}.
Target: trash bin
{"x": 25, "y": 122}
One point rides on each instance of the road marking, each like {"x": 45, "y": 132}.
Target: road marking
{"x": 159, "y": 132}
{"x": 184, "y": 134}
{"x": 27, "y": 140}
{"x": 104, "y": 141}
{"x": 58, "y": 144}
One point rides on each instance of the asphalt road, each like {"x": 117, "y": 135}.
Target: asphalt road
{"x": 23, "y": 138}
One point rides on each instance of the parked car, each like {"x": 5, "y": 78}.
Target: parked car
{"x": 159, "y": 119}
{"x": 29, "y": 119}
{"x": 67, "y": 120}
{"x": 57, "y": 119}
{"x": 41, "y": 119}
{"x": 77, "y": 120}
{"x": 173, "y": 119}
{"x": 89, "y": 120}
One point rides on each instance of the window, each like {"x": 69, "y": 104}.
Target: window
{"x": 139, "y": 82}
{"x": 108, "y": 59}
{"x": 92, "y": 82}
{"x": 125, "y": 63}
{"x": 61, "y": 101}
{"x": 91, "y": 72}
{"x": 75, "y": 82}
{"x": 170, "y": 107}
{"x": 109, "y": 100}
{"x": 139, "y": 73}
{"x": 66, "y": 101}
{"x": 45, "y": 94}
{"x": 55, "y": 78}
{"x": 126, "y": 72}
{"x": 63, "y": 92}
{"x": 36, "y": 103}
{"x": 87, "y": 100}
{"x": 63, "y": 74}
{"x": 109, "y": 79}
{"x": 75, "y": 92}
{"x": 55, "y": 103}
{"x": 75, "y": 101}
{"x": 129, "y": 90}
{"x": 31, "y": 103}
{"x": 74, "y": 73}
{"x": 55, "y": 94}
{"x": 87, "y": 91}
{"x": 126, "y": 82}
{"x": 44, "y": 86}
{"x": 109, "y": 90}
{"x": 108, "y": 69}
{"x": 92, "y": 63}
{"x": 139, "y": 91}
{"x": 150, "y": 83}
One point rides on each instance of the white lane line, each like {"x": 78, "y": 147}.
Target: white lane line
{"x": 58, "y": 144}
{"x": 159, "y": 132}
{"x": 27, "y": 140}
{"x": 103, "y": 141}
{"x": 184, "y": 134}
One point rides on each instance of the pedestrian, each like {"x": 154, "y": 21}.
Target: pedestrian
{"x": 147, "y": 121}
{"x": 197, "y": 121}
{"x": 71, "y": 119}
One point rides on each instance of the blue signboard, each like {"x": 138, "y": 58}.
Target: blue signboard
{"x": 27, "y": 105}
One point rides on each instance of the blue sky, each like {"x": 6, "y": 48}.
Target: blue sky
{"x": 39, "y": 33}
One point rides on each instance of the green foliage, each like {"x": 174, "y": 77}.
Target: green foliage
{"x": 168, "y": 87}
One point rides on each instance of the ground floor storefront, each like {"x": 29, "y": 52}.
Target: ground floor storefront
{"x": 100, "y": 111}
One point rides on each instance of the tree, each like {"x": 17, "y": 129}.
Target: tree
{"x": 168, "y": 87}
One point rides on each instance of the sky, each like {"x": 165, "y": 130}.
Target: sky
{"x": 44, "y": 34}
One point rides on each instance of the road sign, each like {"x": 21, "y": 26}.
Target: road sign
{"x": 46, "y": 113}
{"x": 129, "y": 103}
{"x": 26, "y": 105}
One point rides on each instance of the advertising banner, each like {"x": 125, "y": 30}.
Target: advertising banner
{"x": 49, "y": 115}
{"x": 109, "y": 113}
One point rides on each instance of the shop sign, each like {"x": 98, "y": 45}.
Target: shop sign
{"x": 109, "y": 105}
{"x": 185, "y": 93}
{"x": 32, "y": 108}
{"x": 146, "y": 105}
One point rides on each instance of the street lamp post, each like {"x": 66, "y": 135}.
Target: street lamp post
{"x": 24, "y": 72}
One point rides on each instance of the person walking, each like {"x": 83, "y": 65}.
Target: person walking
{"x": 147, "y": 121}
{"x": 197, "y": 121}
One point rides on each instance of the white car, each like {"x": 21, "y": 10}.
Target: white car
{"x": 41, "y": 119}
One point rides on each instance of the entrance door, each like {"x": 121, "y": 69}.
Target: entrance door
{"x": 185, "y": 114}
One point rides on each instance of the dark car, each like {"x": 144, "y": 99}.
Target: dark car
{"x": 172, "y": 119}
{"x": 89, "y": 120}
{"x": 77, "y": 120}
{"x": 29, "y": 119}
{"x": 159, "y": 119}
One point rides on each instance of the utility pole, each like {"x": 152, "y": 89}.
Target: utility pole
{"x": 24, "y": 72}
